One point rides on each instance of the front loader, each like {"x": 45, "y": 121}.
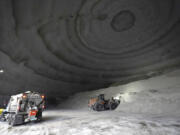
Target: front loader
{"x": 100, "y": 104}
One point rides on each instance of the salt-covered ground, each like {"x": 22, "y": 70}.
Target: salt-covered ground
{"x": 70, "y": 122}
{"x": 148, "y": 107}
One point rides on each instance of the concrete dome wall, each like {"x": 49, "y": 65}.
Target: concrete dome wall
{"x": 64, "y": 46}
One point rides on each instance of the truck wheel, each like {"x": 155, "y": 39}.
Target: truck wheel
{"x": 2, "y": 119}
{"x": 99, "y": 107}
{"x": 39, "y": 116}
{"x": 12, "y": 119}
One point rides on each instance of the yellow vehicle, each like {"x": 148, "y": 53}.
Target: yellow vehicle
{"x": 1, "y": 110}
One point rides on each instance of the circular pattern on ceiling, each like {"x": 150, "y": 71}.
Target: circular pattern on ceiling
{"x": 102, "y": 36}
{"x": 123, "y": 21}
{"x": 102, "y": 41}
{"x": 107, "y": 40}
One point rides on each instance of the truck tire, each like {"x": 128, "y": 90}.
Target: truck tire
{"x": 12, "y": 118}
{"x": 2, "y": 117}
{"x": 39, "y": 116}
{"x": 15, "y": 119}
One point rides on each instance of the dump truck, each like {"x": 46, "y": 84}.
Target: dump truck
{"x": 99, "y": 103}
{"x": 24, "y": 107}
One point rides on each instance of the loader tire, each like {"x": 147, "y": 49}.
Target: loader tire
{"x": 113, "y": 106}
{"x": 99, "y": 107}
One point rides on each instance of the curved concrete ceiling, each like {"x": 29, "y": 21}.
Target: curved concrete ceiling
{"x": 64, "y": 46}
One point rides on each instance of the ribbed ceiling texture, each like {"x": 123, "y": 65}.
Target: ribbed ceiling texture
{"x": 60, "y": 47}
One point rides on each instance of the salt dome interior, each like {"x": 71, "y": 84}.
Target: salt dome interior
{"x": 72, "y": 50}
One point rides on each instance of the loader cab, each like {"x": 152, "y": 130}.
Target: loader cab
{"x": 101, "y": 97}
